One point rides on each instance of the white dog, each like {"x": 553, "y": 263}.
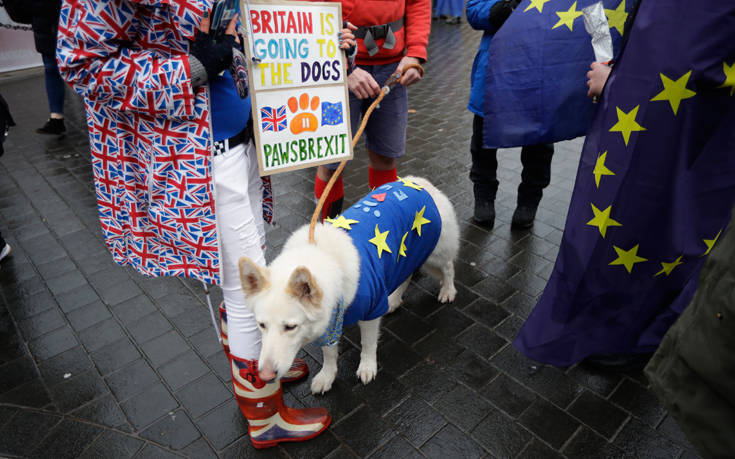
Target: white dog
{"x": 310, "y": 290}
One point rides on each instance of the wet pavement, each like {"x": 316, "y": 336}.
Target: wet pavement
{"x": 99, "y": 361}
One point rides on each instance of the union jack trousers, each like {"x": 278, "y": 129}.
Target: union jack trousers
{"x": 149, "y": 131}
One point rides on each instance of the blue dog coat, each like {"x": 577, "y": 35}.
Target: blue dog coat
{"x": 394, "y": 228}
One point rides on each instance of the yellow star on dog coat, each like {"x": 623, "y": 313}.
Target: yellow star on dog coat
{"x": 342, "y": 222}
{"x": 410, "y": 184}
{"x": 379, "y": 241}
{"x": 419, "y": 220}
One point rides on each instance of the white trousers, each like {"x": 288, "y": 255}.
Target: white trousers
{"x": 238, "y": 209}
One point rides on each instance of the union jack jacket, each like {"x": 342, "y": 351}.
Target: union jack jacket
{"x": 149, "y": 131}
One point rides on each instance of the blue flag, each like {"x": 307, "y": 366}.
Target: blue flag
{"x": 535, "y": 85}
{"x": 654, "y": 188}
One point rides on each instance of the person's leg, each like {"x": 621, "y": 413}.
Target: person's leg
{"x": 386, "y": 130}
{"x": 536, "y": 175}
{"x": 333, "y": 202}
{"x": 241, "y": 234}
{"x": 241, "y": 231}
{"x": 483, "y": 174}
{"x": 55, "y": 94}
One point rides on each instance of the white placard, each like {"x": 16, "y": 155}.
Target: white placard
{"x": 297, "y": 84}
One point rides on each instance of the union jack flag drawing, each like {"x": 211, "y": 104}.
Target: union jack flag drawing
{"x": 273, "y": 119}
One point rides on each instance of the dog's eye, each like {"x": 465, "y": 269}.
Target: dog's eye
{"x": 261, "y": 325}
{"x": 289, "y": 327}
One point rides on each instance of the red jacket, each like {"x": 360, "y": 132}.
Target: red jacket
{"x": 411, "y": 39}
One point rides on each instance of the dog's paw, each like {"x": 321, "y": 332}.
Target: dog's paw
{"x": 322, "y": 382}
{"x": 367, "y": 370}
{"x": 447, "y": 293}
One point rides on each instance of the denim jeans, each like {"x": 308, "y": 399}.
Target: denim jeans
{"x": 54, "y": 85}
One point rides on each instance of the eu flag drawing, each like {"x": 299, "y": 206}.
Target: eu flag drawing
{"x": 654, "y": 188}
{"x": 535, "y": 84}
{"x": 332, "y": 113}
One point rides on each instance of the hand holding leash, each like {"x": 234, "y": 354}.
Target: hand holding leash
{"x": 392, "y": 81}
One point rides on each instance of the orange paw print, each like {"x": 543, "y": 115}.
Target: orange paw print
{"x": 303, "y": 121}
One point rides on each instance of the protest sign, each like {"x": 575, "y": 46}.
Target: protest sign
{"x": 297, "y": 84}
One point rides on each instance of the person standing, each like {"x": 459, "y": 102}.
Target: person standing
{"x": 390, "y": 36}
{"x": 451, "y": 10}
{"x": 6, "y": 122}
{"x": 152, "y": 77}
{"x": 489, "y": 16}
{"x": 653, "y": 192}
{"x": 693, "y": 371}
{"x": 45, "y": 26}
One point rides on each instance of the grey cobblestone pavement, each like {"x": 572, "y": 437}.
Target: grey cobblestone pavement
{"x": 98, "y": 361}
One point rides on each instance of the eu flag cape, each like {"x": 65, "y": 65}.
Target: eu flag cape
{"x": 535, "y": 84}
{"x": 654, "y": 188}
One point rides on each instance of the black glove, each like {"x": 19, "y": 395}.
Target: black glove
{"x": 214, "y": 56}
{"x": 500, "y": 11}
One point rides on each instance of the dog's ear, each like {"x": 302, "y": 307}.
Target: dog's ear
{"x": 253, "y": 278}
{"x": 303, "y": 286}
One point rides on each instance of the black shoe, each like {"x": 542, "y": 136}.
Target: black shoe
{"x": 54, "y": 126}
{"x": 617, "y": 362}
{"x": 452, "y": 20}
{"x": 485, "y": 213}
{"x": 523, "y": 217}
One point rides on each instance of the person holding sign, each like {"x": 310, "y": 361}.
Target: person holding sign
{"x": 169, "y": 130}
{"x": 390, "y": 36}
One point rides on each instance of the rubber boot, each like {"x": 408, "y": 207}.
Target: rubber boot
{"x": 298, "y": 370}
{"x": 270, "y": 421}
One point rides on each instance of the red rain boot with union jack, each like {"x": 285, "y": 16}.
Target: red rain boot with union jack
{"x": 298, "y": 370}
{"x": 270, "y": 421}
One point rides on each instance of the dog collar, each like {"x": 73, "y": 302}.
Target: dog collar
{"x": 334, "y": 331}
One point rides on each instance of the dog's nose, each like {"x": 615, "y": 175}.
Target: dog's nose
{"x": 267, "y": 374}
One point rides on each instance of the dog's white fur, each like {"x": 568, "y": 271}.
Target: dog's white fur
{"x": 293, "y": 298}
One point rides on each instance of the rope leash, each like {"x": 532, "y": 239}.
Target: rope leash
{"x": 392, "y": 81}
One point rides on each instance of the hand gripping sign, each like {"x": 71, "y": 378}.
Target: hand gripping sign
{"x": 298, "y": 84}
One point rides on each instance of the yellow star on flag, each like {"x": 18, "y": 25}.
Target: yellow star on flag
{"x": 538, "y": 4}
{"x": 342, "y": 222}
{"x": 729, "y": 77}
{"x": 379, "y": 241}
{"x": 710, "y": 243}
{"x": 410, "y": 184}
{"x": 666, "y": 268}
{"x": 419, "y": 220}
{"x": 627, "y": 123}
{"x": 567, "y": 17}
{"x": 602, "y": 219}
{"x": 600, "y": 169}
{"x": 675, "y": 91}
{"x": 402, "y": 249}
{"x": 627, "y": 258}
{"x": 616, "y": 18}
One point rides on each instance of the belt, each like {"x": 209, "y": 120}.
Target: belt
{"x": 244, "y": 136}
{"x": 371, "y": 33}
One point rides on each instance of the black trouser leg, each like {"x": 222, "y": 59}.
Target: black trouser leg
{"x": 484, "y": 165}
{"x": 536, "y": 175}
{"x": 2, "y": 241}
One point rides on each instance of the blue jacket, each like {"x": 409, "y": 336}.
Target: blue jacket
{"x": 478, "y": 16}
